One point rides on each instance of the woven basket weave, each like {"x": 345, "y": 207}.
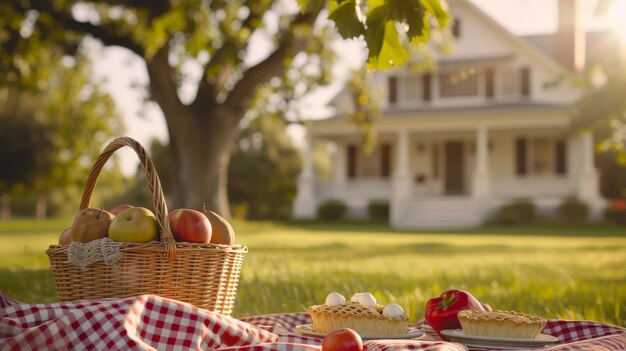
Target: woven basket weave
{"x": 205, "y": 275}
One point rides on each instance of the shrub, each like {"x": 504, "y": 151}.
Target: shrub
{"x": 331, "y": 210}
{"x": 378, "y": 211}
{"x": 616, "y": 212}
{"x": 573, "y": 210}
{"x": 520, "y": 211}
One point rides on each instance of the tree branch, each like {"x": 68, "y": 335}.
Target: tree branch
{"x": 162, "y": 88}
{"x": 106, "y": 35}
{"x": 207, "y": 91}
{"x": 240, "y": 96}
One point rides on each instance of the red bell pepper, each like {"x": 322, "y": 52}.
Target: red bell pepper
{"x": 441, "y": 311}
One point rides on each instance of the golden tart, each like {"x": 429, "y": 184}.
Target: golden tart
{"x": 503, "y": 324}
{"x": 367, "y": 321}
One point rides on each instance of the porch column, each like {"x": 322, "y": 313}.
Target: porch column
{"x": 401, "y": 178}
{"x": 588, "y": 183}
{"x": 481, "y": 181}
{"x": 339, "y": 165}
{"x": 304, "y": 204}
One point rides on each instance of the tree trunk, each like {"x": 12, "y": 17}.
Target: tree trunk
{"x": 199, "y": 154}
{"x": 200, "y": 143}
{"x": 5, "y": 207}
{"x": 41, "y": 207}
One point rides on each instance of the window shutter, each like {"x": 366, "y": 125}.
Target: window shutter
{"x": 393, "y": 90}
{"x": 489, "y": 80}
{"x": 561, "y": 157}
{"x": 520, "y": 157}
{"x": 385, "y": 160}
{"x": 351, "y": 161}
{"x": 525, "y": 81}
{"x": 426, "y": 84}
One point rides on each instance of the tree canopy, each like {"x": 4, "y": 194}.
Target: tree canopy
{"x": 217, "y": 37}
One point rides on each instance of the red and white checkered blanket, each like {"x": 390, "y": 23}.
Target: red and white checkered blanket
{"x": 153, "y": 323}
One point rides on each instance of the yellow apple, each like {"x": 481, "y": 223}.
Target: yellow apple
{"x": 135, "y": 224}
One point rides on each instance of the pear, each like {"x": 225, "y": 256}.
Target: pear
{"x": 91, "y": 224}
{"x": 223, "y": 232}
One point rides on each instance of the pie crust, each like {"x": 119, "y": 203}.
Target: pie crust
{"x": 367, "y": 321}
{"x": 503, "y": 324}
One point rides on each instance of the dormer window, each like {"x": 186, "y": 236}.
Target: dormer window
{"x": 456, "y": 27}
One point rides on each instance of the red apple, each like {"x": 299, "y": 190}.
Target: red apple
{"x": 344, "y": 339}
{"x": 66, "y": 237}
{"x": 190, "y": 226}
{"x": 119, "y": 208}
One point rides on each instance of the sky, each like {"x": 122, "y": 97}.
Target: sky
{"x": 121, "y": 70}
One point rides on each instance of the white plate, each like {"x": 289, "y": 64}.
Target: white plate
{"x": 493, "y": 342}
{"x": 307, "y": 329}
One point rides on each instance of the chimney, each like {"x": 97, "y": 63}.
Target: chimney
{"x": 569, "y": 46}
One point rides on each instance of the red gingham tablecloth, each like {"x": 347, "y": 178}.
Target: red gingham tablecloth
{"x": 150, "y": 322}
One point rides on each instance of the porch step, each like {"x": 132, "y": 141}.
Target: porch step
{"x": 454, "y": 212}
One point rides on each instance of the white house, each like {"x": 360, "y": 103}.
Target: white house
{"x": 483, "y": 130}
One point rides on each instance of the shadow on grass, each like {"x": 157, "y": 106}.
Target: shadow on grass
{"x": 334, "y": 250}
{"x": 598, "y": 229}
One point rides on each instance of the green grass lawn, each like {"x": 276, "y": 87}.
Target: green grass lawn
{"x": 575, "y": 272}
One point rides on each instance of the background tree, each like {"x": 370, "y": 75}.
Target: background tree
{"x": 52, "y": 131}
{"x": 263, "y": 171}
{"x": 215, "y": 36}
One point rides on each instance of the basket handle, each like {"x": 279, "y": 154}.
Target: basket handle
{"x": 154, "y": 183}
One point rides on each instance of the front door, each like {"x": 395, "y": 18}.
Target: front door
{"x": 454, "y": 167}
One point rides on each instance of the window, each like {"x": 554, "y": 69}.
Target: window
{"x": 540, "y": 156}
{"x": 456, "y": 28}
{"x": 376, "y": 164}
{"x": 412, "y": 91}
{"x": 458, "y": 83}
{"x": 510, "y": 82}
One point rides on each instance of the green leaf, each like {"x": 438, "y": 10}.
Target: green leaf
{"x": 434, "y": 8}
{"x": 311, "y": 5}
{"x": 392, "y": 53}
{"x": 375, "y": 3}
{"x": 410, "y": 13}
{"x": 375, "y": 31}
{"x": 346, "y": 19}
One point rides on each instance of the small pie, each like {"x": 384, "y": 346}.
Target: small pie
{"x": 503, "y": 324}
{"x": 367, "y": 321}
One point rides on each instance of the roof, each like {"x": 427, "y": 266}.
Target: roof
{"x": 499, "y": 107}
{"x": 597, "y": 44}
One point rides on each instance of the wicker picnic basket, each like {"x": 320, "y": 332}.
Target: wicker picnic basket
{"x": 205, "y": 275}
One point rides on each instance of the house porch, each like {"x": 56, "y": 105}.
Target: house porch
{"x": 454, "y": 178}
